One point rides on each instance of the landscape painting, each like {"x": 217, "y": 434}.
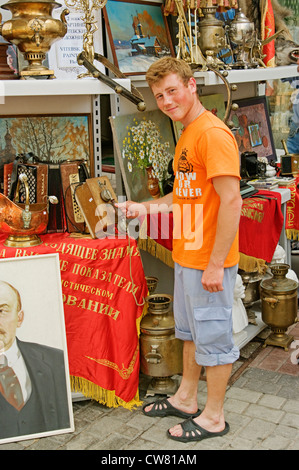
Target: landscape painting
{"x": 138, "y": 34}
{"x": 51, "y": 138}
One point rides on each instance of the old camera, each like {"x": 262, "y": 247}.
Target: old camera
{"x": 251, "y": 167}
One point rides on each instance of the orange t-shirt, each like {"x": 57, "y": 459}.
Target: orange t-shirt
{"x": 206, "y": 149}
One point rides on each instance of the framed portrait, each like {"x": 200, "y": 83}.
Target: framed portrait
{"x": 144, "y": 144}
{"x": 138, "y": 34}
{"x": 51, "y": 138}
{"x": 252, "y": 128}
{"x": 33, "y": 348}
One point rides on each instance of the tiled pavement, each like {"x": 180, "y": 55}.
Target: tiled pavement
{"x": 261, "y": 406}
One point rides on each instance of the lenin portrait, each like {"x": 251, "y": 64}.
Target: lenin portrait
{"x": 35, "y": 398}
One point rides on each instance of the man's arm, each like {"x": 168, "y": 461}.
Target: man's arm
{"x": 136, "y": 209}
{"x": 228, "y": 190}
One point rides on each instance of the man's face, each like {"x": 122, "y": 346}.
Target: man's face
{"x": 10, "y": 316}
{"x": 174, "y": 98}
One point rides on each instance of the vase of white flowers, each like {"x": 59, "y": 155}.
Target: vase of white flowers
{"x": 143, "y": 148}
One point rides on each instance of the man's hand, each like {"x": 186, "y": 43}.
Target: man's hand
{"x": 212, "y": 278}
{"x": 131, "y": 209}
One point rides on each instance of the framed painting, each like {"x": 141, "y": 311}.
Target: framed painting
{"x": 138, "y": 34}
{"x": 51, "y": 138}
{"x": 144, "y": 145}
{"x": 33, "y": 347}
{"x": 252, "y": 128}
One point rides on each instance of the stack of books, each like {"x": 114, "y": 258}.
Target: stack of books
{"x": 286, "y": 181}
{"x": 272, "y": 182}
{"x": 265, "y": 183}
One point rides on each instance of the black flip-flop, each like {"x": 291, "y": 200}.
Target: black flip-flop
{"x": 194, "y": 432}
{"x": 162, "y": 408}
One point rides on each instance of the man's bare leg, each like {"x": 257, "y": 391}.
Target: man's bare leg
{"x": 185, "y": 398}
{"x": 212, "y": 417}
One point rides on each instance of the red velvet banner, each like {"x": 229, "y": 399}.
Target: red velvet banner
{"x": 267, "y": 30}
{"x": 260, "y": 225}
{"x": 259, "y": 231}
{"x": 103, "y": 287}
{"x": 292, "y": 214}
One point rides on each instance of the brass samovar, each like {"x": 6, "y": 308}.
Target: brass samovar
{"x": 33, "y": 30}
{"x": 211, "y": 38}
{"x": 161, "y": 352}
{"x": 279, "y": 305}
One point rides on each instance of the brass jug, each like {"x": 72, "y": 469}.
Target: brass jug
{"x": 161, "y": 352}
{"x": 279, "y": 305}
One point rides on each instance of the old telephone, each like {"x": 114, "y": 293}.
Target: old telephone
{"x": 96, "y": 199}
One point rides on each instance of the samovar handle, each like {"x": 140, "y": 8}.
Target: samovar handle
{"x": 63, "y": 15}
{"x": 153, "y": 357}
{"x": 23, "y": 179}
{"x": 271, "y": 301}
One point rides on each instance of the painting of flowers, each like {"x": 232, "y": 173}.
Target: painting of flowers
{"x": 145, "y": 145}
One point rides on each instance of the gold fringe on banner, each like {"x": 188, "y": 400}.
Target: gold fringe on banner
{"x": 105, "y": 397}
{"x": 155, "y": 249}
{"x": 292, "y": 234}
{"x": 251, "y": 264}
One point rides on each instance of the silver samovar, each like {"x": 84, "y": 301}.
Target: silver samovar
{"x": 242, "y": 36}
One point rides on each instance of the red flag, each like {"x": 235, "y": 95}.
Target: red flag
{"x": 267, "y": 30}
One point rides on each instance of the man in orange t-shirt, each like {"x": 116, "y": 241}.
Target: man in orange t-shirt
{"x": 206, "y": 205}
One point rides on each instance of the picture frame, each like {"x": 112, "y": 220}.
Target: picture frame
{"x": 51, "y": 138}
{"x": 252, "y": 128}
{"x": 31, "y": 287}
{"x": 136, "y": 177}
{"x": 138, "y": 34}
{"x": 12, "y": 55}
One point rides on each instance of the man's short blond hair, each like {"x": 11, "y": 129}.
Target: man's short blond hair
{"x": 165, "y": 66}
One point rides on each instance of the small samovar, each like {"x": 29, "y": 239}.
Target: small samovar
{"x": 161, "y": 352}
{"x": 151, "y": 282}
{"x": 211, "y": 37}
{"x": 33, "y": 30}
{"x": 251, "y": 282}
{"x": 279, "y": 305}
{"x": 242, "y": 36}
